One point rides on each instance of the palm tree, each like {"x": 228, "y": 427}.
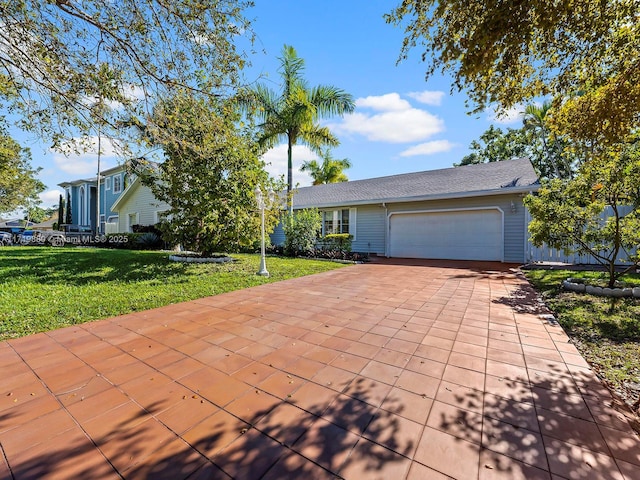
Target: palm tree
{"x": 536, "y": 120}
{"x": 294, "y": 112}
{"x": 330, "y": 171}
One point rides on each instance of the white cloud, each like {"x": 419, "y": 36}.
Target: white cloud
{"x": 428, "y": 97}
{"x": 428, "y": 148}
{"x": 86, "y": 162}
{"x": 508, "y": 117}
{"x": 394, "y": 120}
{"x": 50, "y": 197}
{"x": 276, "y": 160}
{"x": 409, "y": 125}
{"x": 385, "y": 103}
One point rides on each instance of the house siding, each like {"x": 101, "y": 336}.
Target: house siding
{"x": 108, "y": 197}
{"x": 371, "y": 222}
{"x": 370, "y": 225}
{"x": 142, "y": 202}
{"x": 277, "y": 236}
{"x": 86, "y": 214}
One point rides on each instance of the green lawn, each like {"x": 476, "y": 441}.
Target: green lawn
{"x": 46, "y": 288}
{"x": 605, "y": 330}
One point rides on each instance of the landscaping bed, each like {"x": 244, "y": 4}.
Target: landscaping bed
{"x": 44, "y": 288}
{"x": 606, "y": 330}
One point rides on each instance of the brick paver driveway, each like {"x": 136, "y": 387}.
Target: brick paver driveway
{"x": 373, "y": 371}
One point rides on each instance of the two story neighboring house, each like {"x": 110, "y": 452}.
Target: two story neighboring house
{"x": 82, "y": 195}
{"x": 124, "y": 202}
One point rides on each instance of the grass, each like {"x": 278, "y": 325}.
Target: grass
{"x": 47, "y": 288}
{"x": 605, "y": 330}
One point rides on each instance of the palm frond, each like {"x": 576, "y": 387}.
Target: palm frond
{"x": 316, "y": 137}
{"x": 331, "y": 100}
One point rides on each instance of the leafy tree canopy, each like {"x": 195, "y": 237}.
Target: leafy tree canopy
{"x": 38, "y": 214}
{"x": 59, "y": 58}
{"x": 19, "y": 186}
{"x": 495, "y": 145}
{"x": 583, "y": 54}
{"x": 208, "y": 176}
{"x": 331, "y": 170}
{"x": 549, "y": 152}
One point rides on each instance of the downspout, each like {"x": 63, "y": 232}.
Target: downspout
{"x": 386, "y": 230}
{"x": 528, "y": 257}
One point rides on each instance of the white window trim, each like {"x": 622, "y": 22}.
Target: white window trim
{"x": 136, "y": 222}
{"x": 119, "y": 177}
{"x": 352, "y": 220}
{"x": 107, "y": 183}
{"x": 113, "y": 219}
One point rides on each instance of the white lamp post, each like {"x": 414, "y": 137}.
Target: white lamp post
{"x": 262, "y": 203}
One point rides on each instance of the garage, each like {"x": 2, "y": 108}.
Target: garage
{"x": 473, "y": 234}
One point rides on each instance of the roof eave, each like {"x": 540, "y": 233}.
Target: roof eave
{"x": 422, "y": 198}
{"x": 73, "y": 183}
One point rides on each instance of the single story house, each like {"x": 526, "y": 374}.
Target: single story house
{"x": 47, "y": 225}
{"x": 472, "y": 212}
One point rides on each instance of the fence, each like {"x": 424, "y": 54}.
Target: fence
{"x": 110, "y": 228}
{"x": 545, "y": 253}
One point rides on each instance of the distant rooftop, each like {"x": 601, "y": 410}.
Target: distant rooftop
{"x": 469, "y": 180}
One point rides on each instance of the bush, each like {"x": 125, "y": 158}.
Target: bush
{"x": 149, "y": 241}
{"x": 146, "y": 229}
{"x": 336, "y": 242}
{"x": 301, "y": 232}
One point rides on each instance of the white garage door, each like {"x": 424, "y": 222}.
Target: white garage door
{"x": 452, "y": 235}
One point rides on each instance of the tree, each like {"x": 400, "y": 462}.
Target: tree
{"x": 549, "y": 153}
{"x": 585, "y": 55}
{"x": 68, "y": 215}
{"x": 19, "y": 186}
{"x": 208, "y": 176}
{"x": 37, "y": 214}
{"x": 57, "y": 57}
{"x": 570, "y": 214}
{"x": 497, "y": 146}
{"x": 549, "y": 150}
{"x": 60, "y": 212}
{"x": 330, "y": 171}
{"x": 294, "y": 112}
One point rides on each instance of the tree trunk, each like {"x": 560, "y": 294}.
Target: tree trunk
{"x": 289, "y": 175}
{"x": 616, "y": 244}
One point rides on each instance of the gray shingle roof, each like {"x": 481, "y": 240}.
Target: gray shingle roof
{"x": 470, "y": 180}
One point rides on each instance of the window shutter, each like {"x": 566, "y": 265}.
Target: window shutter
{"x": 352, "y": 222}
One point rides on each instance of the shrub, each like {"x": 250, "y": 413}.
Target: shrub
{"x": 149, "y": 241}
{"x": 301, "y": 231}
{"x": 336, "y": 241}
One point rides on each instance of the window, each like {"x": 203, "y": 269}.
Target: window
{"x": 132, "y": 219}
{"x": 107, "y": 183}
{"x": 117, "y": 183}
{"x": 337, "y": 221}
{"x": 162, "y": 216}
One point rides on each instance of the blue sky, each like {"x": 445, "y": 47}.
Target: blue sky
{"x": 402, "y": 123}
